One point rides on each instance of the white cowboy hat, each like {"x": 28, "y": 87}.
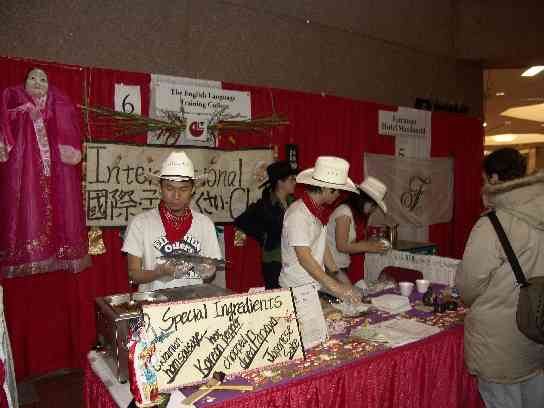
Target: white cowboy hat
{"x": 329, "y": 171}
{"x": 375, "y": 189}
{"x": 177, "y": 167}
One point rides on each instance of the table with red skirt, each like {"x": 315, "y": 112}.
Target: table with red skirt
{"x": 346, "y": 371}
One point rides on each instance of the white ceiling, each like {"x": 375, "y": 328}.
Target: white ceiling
{"x": 518, "y": 91}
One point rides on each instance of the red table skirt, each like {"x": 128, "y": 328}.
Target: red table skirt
{"x": 428, "y": 373}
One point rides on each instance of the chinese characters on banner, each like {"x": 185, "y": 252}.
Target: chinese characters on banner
{"x": 119, "y": 184}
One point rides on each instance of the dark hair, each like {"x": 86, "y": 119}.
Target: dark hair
{"x": 33, "y": 68}
{"x": 313, "y": 189}
{"x": 506, "y": 163}
{"x": 357, "y": 203}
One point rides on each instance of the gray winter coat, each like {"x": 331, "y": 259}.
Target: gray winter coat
{"x": 495, "y": 349}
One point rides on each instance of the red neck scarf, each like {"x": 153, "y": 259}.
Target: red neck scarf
{"x": 318, "y": 211}
{"x": 175, "y": 226}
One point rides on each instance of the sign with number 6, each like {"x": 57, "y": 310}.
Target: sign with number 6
{"x": 128, "y": 99}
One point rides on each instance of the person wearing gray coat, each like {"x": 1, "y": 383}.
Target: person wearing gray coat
{"x": 509, "y": 366}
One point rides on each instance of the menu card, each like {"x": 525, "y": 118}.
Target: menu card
{"x": 312, "y": 324}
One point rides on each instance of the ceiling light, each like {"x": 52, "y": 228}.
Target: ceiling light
{"x": 485, "y": 124}
{"x": 504, "y": 138}
{"x": 500, "y": 93}
{"x": 518, "y": 139}
{"x": 533, "y": 71}
{"x": 528, "y": 112}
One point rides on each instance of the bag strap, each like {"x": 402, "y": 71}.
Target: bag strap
{"x": 512, "y": 258}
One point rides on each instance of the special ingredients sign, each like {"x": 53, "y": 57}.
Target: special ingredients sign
{"x": 228, "y": 334}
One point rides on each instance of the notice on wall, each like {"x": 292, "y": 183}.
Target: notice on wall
{"x": 404, "y": 122}
{"x": 230, "y": 334}
{"x": 128, "y": 99}
{"x": 201, "y": 103}
{"x": 119, "y": 181}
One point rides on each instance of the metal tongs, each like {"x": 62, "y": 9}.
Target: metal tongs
{"x": 180, "y": 255}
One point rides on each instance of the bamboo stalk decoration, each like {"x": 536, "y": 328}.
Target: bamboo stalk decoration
{"x": 174, "y": 123}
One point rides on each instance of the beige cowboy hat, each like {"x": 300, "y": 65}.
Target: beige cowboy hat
{"x": 330, "y": 172}
{"x": 376, "y": 190}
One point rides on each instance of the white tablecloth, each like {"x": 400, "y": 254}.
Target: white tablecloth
{"x": 120, "y": 392}
{"x": 436, "y": 269}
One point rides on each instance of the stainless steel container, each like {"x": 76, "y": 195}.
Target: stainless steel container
{"x": 114, "y": 313}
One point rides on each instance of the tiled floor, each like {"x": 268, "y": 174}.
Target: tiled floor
{"x": 57, "y": 390}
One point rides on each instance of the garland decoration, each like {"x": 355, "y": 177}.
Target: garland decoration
{"x": 169, "y": 129}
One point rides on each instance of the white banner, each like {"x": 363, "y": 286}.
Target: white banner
{"x": 404, "y": 122}
{"x": 201, "y": 102}
{"x": 419, "y": 191}
{"x": 119, "y": 185}
{"x": 231, "y": 334}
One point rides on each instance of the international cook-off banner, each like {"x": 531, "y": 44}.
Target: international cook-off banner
{"x": 191, "y": 340}
{"x": 419, "y": 191}
{"x": 119, "y": 185}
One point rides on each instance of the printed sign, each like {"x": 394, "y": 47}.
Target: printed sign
{"x": 128, "y": 99}
{"x": 404, "y": 122}
{"x": 227, "y": 334}
{"x": 199, "y": 105}
{"x": 119, "y": 184}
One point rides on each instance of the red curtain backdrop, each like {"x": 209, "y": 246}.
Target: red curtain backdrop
{"x": 347, "y": 128}
{"x": 51, "y": 316}
{"x": 463, "y": 139}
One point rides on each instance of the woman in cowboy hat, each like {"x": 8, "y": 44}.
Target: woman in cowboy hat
{"x": 341, "y": 230}
{"x": 304, "y": 249}
{"x": 263, "y": 220}
{"x": 172, "y": 226}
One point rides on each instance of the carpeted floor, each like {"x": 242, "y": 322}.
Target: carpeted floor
{"x": 61, "y": 389}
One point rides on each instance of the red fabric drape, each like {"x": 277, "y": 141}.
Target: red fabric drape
{"x": 429, "y": 373}
{"x": 337, "y": 126}
{"x": 461, "y": 138}
{"x": 51, "y": 317}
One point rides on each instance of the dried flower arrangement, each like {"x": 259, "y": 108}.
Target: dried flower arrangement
{"x": 169, "y": 129}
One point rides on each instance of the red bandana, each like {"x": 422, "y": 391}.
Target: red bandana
{"x": 320, "y": 212}
{"x": 175, "y": 226}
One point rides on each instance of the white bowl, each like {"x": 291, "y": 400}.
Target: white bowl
{"x": 422, "y": 285}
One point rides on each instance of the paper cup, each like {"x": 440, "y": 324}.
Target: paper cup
{"x": 406, "y": 288}
{"x": 422, "y": 285}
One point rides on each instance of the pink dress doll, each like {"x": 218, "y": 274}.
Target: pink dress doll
{"x": 40, "y": 181}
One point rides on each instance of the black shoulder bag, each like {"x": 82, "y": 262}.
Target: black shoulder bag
{"x": 530, "y": 313}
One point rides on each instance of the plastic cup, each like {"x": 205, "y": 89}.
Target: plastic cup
{"x": 422, "y": 285}
{"x": 406, "y": 288}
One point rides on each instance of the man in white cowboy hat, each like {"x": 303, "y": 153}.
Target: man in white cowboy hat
{"x": 304, "y": 249}
{"x": 172, "y": 226}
